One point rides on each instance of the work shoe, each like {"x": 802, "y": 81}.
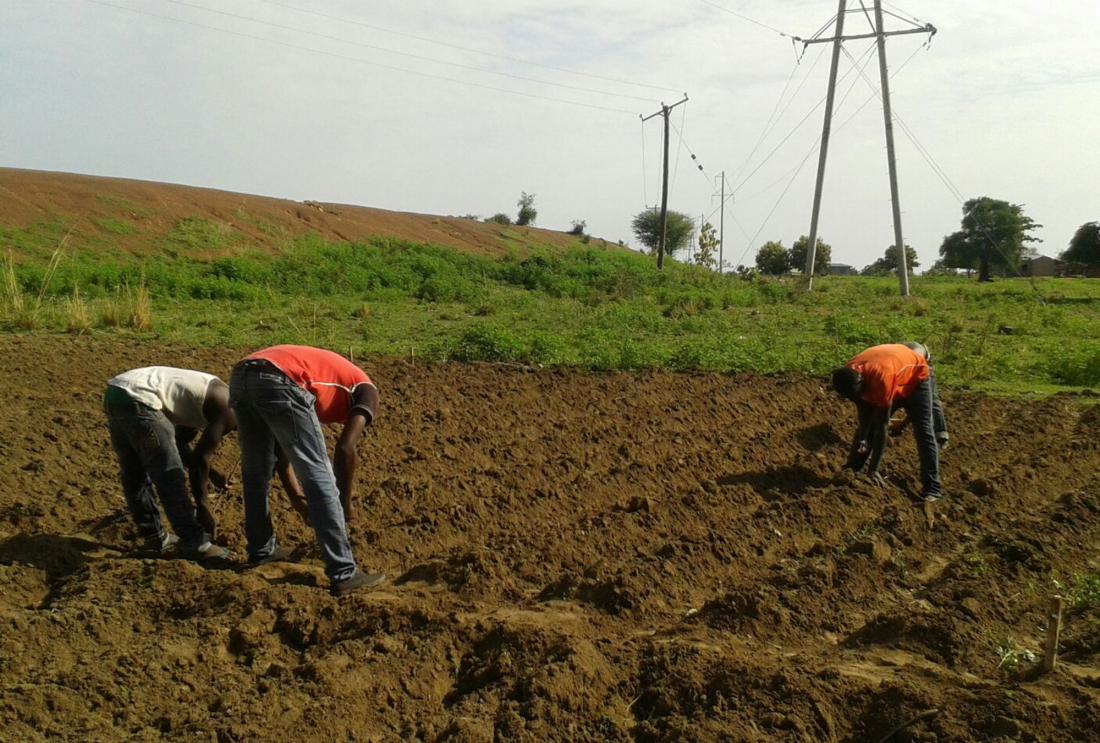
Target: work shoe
{"x": 205, "y": 552}
{"x": 279, "y": 554}
{"x": 162, "y": 544}
{"x": 932, "y": 497}
{"x": 356, "y": 582}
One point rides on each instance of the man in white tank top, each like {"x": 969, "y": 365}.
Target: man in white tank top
{"x": 154, "y": 413}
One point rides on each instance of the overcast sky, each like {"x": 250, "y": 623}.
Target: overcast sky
{"x": 405, "y": 106}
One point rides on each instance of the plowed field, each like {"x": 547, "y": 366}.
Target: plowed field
{"x": 573, "y": 556}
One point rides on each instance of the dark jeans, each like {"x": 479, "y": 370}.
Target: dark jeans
{"x": 921, "y": 406}
{"x": 270, "y": 408}
{"x": 145, "y": 442}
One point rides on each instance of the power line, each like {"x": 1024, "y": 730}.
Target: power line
{"x": 744, "y": 17}
{"x": 680, "y": 144}
{"x": 910, "y": 17}
{"x": 953, "y": 189}
{"x": 813, "y": 149}
{"x": 694, "y": 157}
{"x": 334, "y": 55}
{"x": 793, "y": 131}
{"x": 410, "y": 55}
{"x": 773, "y": 119}
{"x": 470, "y": 50}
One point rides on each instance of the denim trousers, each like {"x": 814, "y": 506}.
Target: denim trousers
{"x": 272, "y": 409}
{"x": 921, "y": 407}
{"x": 144, "y": 441}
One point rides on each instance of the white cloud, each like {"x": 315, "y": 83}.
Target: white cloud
{"x": 1003, "y": 101}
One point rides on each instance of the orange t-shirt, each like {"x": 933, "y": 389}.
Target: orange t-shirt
{"x": 326, "y": 375}
{"x": 889, "y": 372}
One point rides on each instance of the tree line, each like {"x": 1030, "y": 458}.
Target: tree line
{"x": 994, "y": 236}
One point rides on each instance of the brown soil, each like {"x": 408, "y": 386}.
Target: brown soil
{"x": 573, "y": 557}
{"x": 151, "y": 211}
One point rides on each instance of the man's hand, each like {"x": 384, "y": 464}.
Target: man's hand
{"x": 298, "y": 503}
{"x": 898, "y": 425}
{"x": 206, "y": 520}
{"x": 876, "y": 478}
{"x": 218, "y": 480}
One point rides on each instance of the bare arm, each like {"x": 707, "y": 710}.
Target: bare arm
{"x": 290, "y": 483}
{"x": 347, "y": 458}
{"x": 880, "y": 422}
{"x": 860, "y": 448}
{"x": 199, "y": 470}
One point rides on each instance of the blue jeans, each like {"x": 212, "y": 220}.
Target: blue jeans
{"x": 145, "y": 442}
{"x": 921, "y": 407}
{"x": 270, "y": 408}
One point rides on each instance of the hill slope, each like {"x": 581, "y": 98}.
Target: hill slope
{"x": 138, "y": 216}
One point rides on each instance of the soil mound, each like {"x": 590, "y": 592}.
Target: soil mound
{"x": 573, "y": 556}
{"x": 135, "y": 216}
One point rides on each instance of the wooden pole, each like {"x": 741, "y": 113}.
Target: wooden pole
{"x": 1054, "y": 629}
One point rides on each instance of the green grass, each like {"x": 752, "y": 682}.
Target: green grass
{"x": 115, "y": 226}
{"x": 587, "y": 306}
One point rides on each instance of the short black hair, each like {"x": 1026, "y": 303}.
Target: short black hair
{"x": 846, "y": 382}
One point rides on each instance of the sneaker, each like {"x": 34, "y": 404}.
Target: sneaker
{"x": 162, "y": 544}
{"x": 205, "y": 552}
{"x": 279, "y": 554}
{"x": 932, "y": 497}
{"x": 356, "y": 582}
{"x": 942, "y": 439}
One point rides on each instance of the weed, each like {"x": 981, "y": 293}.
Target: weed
{"x": 112, "y": 311}
{"x": 1083, "y": 590}
{"x": 141, "y": 307}
{"x": 1011, "y": 658}
{"x": 78, "y": 320}
{"x": 977, "y": 564}
{"x": 13, "y": 292}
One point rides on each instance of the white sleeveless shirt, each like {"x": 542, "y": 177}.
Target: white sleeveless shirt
{"x": 179, "y": 393}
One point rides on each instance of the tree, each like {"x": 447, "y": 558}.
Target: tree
{"x": 1084, "y": 248}
{"x": 994, "y": 234}
{"x": 797, "y": 255}
{"x": 527, "y": 211}
{"x": 647, "y": 228}
{"x": 888, "y": 263}
{"x": 499, "y": 218}
{"x": 773, "y": 259}
{"x": 708, "y": 247}
{"x": 578, "y": 227}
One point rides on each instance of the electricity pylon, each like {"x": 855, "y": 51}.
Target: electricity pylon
{"x": 879, "y": 33}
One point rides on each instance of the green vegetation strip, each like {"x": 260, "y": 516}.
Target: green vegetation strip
{"x": 590, "y": 307}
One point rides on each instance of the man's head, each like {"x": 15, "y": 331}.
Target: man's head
{"x": 848, "y": 383}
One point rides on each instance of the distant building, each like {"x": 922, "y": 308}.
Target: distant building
{"x": 842, "y": 269}
{"x": 1043, "y": 265}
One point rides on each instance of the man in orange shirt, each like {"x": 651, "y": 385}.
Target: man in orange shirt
{"x": 281, "y": 396}
{"x": 879, "y": 380}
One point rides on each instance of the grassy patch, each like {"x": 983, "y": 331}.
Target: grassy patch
{"x": 587, "y": 306}
{"x": 115, "y": 226}
{"x": 1083, "y": 591}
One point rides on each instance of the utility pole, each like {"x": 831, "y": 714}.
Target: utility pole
{"x": 879, "y": 33}
{"x": 811, "y": 248}
{"x": 722, "y": 226}
{"x": 895, "y": 200}
{"x": 663, "y": 113}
